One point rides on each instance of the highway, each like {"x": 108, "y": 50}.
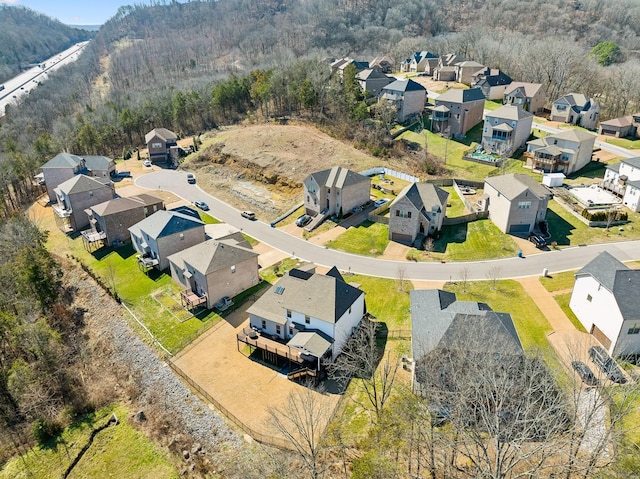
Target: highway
{"x": 18, "y": 86}
{"x": 565, "y": 259}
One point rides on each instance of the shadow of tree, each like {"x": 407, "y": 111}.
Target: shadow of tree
{"x": 559, "y": 228}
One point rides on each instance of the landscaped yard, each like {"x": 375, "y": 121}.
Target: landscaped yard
{"x": 367, "y": 239}
{"x": 387, "y": 300}
{"x": 558, "y": 281}
{"x": 457, "y": 207}
{"x": 119, "y": 449}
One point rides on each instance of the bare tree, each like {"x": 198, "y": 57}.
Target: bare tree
{"x": 402, "y": 274}
{"x": 428, "y": 244}
{"x": 493, "y": 275}
{"x": 302, "y": 421}
{"x": 464, "y": 277}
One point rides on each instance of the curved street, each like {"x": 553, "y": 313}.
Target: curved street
{"x": 555, "y": 261}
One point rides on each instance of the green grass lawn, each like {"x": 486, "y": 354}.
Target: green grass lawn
{"x": 386, "y": 299}
{"x": 492, "y": 105}
{"x": 624, "y": 143}
{"x": 118, "y": 451}
{"x": 457, "y": 207}
{"x": 558, "y": 281}
{"x": 563, "y": 302}
{"x": 367, "y": 239}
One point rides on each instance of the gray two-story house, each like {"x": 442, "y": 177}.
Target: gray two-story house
{"x": 407, "y": 96}
{"x": 75, "y": 195}
{"x": 506, "y": 129}
{"x": 457, "y": 111}
{"x": 335, "y": 191}
{"x": 65, "y": 166}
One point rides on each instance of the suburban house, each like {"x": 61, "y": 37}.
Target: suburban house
{"x": 383, "y": 64}
{"x": 77, "y": 194}
{"x": 418, "y": 211}
{"x": 335, "y": 192}
{"x": 457, "y": 111}
{"x": 420, "y": 62}
{"x": 110, "y": 221}
{"x": 623, "y": 179}
{"x": 506, "y": 129}
{"x": 162, "y": 144}
{"x": 445, "y": 73}
{"x": 563, "y": 152}
{"x": 623, "y": 127}
{"x": 606, "y": 301}
{"x": 516, "y": 202}
{"x": 529, "y": 96}
{"x": 310, "y": 314}
{"x": 162, "y": 234}
{"x": 211, "y": 270}
{"x": 492, "y": 82}
{"x": 372, "y": 81}
{"x": 340, "y": 65}
{"x": 576, "y": 109}
{"x": 65, "y": 166}
{"x": 439, "y": 322}
{"x": 465, "y": 71}
{"x": 407, "y": 96}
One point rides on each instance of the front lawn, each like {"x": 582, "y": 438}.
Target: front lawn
{"x": 387, "y": 299}
{"x": 367, "y": 239}
{"x": 624, "y": 143}
{"x": 558, "y": 281}
{"x": 563, "y": 302}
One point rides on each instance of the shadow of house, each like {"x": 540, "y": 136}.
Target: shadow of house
{"x": 559, "y": 228}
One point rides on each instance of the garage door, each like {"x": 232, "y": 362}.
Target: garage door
{"x": 609, "y": 132}
{"x": 400, "y": 238}
{"x": 600, "y": 336}
{"x": 514, "y": 229}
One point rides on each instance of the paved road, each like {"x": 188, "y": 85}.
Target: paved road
{"x": 555, "y": 261}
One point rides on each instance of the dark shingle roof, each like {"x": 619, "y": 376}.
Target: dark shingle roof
{"x": 165, "y": 223}
{"x": 82, "y": 183}
{"x": 166, "y": 135}
{"x": 424, "y": 196}
{"x": 212, "y": 255}
{"x": 124, "y": 204}
{"x": 514, "y": 184}
{"x": 404, "y": 85}
{"x": 63, "y": 160}
{"x": 338, "y": 177}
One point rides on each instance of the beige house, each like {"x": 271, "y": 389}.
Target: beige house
{"x": 563, "y": 152}
{"x": 505, "y": 130}
{"x": 162, "y": 234}
{"x": 162, "y": 144}
{"x": 492, "y": 82}
{"x": 465, "y": 71}
{"x": 65, "y": 166}
{"x": 418, "y": 211}
{"x": 623, "y": 127}
{"x": 383, "y": 64}
{"x": 407, "y": 96}
{"x": 110, "y": 221}
{"x": 77, "y": 194}
{"x": 372, "y": 81}
{"x": 516, "y": 202}
{"x": 420, "y": 62}
{"x": 528, "y": 96}
{"x": 457, "y": 111}
{"x": 576, "y": 109}
{"x": 211, "y": 270}
{"x": 335, "y": 191}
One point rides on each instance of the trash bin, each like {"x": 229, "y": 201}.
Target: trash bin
{"x": 545, "y": 272}
{"x": 520, "y": 254}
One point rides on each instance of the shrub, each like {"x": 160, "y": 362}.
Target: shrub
{"x": 603, "y": 215}
{"x": 43, "y": 431}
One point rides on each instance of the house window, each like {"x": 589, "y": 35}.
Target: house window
{"x": 264, "y": 324}
{"x": 349, "y": 309}
{"x": 233, "y": 268}
{"x": 146, "y": 210}
{"x": 291, "y": 328}
{"x": 288, "y": 313}
{"x": 635, "y": 329}
{"x": 278, "y": 329}
{"x": 307, "y": 319}
{"x": 524, "y": 205}
{"x": 589, "y": 298}
{"x": 156, "y": 145}
{"x": 308, "y": 199}
{"x": 403, "y": 214}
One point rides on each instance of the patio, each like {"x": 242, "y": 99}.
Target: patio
{"x": 594, "y": 196}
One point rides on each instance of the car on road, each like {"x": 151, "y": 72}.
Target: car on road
{"x": 380, "y": 202}
{"x": 122, "y": 174}
{"x": 146, "y": 163}
{"x": 190, "y": 178}
{"x": 585, "y": 373}
{"x": 303, "y": 220}
{"x": 537, "y": 240}
{"x": 202, "y": 205}
{"x": 606, "y": 364}
{"x": 250, "y": 215}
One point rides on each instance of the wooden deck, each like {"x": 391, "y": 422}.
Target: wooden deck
{"x": 269, "y": 345}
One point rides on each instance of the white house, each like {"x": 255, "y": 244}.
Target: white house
{"x": 576, "y": 109}
{"x": 624, "y": 179}
{"x": 563, "y": 152}
{"x": 606, "y": 300}
{"x": 304, "y": 302}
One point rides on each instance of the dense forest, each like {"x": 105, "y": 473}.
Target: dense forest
{"x": 27, "y": 37}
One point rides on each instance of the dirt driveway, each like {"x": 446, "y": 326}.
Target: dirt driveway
{"x": 247, "y": 389}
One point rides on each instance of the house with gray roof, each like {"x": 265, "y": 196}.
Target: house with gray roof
{"x": 564, "y": 152}
{"x": 457, "y": 110}
{"x": 606, "y": 301}
{"x": 417, "y": 212}
{"x": 440, "y": 323}
{"x": 382, "y": 63}
{"x": 407, "y": 96}
{"x": 75, "y": 195}
{"x": 110, "y": 221}
{"x": 506, "y": 130}
{"x": 528, "y": 96}
{"x": 324, "y": 308}
{"x": 516, "y": 202}
{"x": 492, "y": 82}
{"x": 211, "y": 270}
{"x": 372, "y": 81}
{"x": 335, "y": 191}
{"x": 65, "y": 166}
{"x": 623, "y": 127}
{"x": 623, "y": 179}
{"x": 162, "y": 234}
{"x": 576, "y": 109}
{"x": 465, "y": 71}
{"x": 162, "y": 144}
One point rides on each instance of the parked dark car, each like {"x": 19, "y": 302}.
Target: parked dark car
{"x": 585, "y": 373}
{"x": 303, "y": 220}
{"x": 606, "y": 364}
{"x": 190, "y": 178}
{"x": 537, "y": 240}
{"x": 122, "y": 174}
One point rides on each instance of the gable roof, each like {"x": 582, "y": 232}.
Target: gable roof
{"x": 118, "y": 205}
{"x": 312, "y": 343}
{"x": 621, "y": 122}
{"x": 439, "y": 320}
{"x": 337, "y": 177}
{"x": 166, "y": 135}
{"x": 165, "y": 223}
{"x": 325, "y": 297}
{"x": 457, "y": 95}
{"x": 635, "y": 161}
{"x": 63, "y": 160}
{"x": 618, "y": 278}
{"x": 98, "y": 162}
{"x": 577, "y": 101}
{"x": 470, "y": 64}
{"x": 424, "y": 196}
{"x": 514, "y": 184}
{"x": 404, "y": 85}
{"x": 371, "y": 74}
{"x": 212, "y": 255}
{"x": 574, "y": 134}
{"x": 82, "y": 184}
{"x": 509, "y": 112}
{"x": 529, "y": 89}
